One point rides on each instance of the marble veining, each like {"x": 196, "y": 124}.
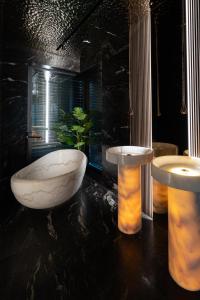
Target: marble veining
{"x": 97, "y": 263}
{"x": 14, "y": 80}
{"x": 50, "y": 226}
{"x": 30, "y": 285}
{"x": 50, "y": 180}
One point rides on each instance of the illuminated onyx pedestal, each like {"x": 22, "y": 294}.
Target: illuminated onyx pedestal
{"x": 160, "y": 197}
{"x": 182, "y": 176}
{"x": 160, "y": 191}
{"x": 129, "y": 160}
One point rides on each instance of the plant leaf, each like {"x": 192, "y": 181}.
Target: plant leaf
{"x": 64, "y": 128}
{"x": 79, "y": 145}
{"x": 88, "y": 125}
{"x": 69, "y": 140}
{"x": 78, "y": 128}
{"x": 79, "y": 114}
{"x": 74, "y": 128}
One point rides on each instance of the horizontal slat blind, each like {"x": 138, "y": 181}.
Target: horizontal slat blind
{"x": 61, "y": 92}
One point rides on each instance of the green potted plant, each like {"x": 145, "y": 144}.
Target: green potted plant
{"x": 74, "y": 128}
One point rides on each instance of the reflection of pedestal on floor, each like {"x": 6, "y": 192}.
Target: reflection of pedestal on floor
{"x": 129, "y": 160}
{"x": 182, "y": 174}
{"x": 160, "y": 191}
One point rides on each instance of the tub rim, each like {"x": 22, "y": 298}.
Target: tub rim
{"x": 17, "y": 180}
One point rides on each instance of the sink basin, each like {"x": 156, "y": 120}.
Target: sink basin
{"x": 129, "y": 155}
{"x": 129, "y": 160}
{"x": 180, "y": 172}
{"x": 182, "y": 176}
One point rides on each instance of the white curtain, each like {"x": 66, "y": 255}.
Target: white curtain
{"x": 140, "y": 92}
{"x": 193, "y": 75}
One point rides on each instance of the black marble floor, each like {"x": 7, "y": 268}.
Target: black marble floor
{"x": 76, "y": 252}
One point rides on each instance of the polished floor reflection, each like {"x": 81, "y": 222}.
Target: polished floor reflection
{"x": 76, "y": 252}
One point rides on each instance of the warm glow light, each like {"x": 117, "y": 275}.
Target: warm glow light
{"x": 185, "y": 171}
{"x": 160, "y": 191}
{"x": 184, "y": 238}
{"x": 129, "y": 199}
{"x": 47, "y": 77}
{"x": 160, "y": 197}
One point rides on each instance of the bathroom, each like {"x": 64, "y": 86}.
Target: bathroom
{"x": 66, "y": 59}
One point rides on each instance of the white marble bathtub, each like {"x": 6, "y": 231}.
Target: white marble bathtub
{"x": 50, "y": 180}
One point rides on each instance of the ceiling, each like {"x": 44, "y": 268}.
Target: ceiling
{"x": 44, "y": 25}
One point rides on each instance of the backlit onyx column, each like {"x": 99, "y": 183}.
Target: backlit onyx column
{"x": 184, "y": 238}
{"x": 129, "y": 199}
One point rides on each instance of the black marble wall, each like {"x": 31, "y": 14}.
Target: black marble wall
{"x": 1, "y": 50}
{"x": 14, "y": 81}
{"x": 108, "y": 54}
{"x": 111, "y": 70}
{"x": 115, "y": 79}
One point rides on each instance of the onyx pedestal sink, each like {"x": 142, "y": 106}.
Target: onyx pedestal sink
{"x": 182, "y": 176}
{"x": 129, "y": 160}
{"x": 160, "y": 191}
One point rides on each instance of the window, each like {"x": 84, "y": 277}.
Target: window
{"x": 51, "y": 91}
{"x": 54, "y": 90}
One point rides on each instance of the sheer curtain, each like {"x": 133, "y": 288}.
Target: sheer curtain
{"x": 192, "y": 9}
{"x": 140, "y": 88}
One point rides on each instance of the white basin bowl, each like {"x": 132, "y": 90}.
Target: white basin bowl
{"x": 180, "y": 172}
{"x": 50, "y": 180}
{"x": 129, "y": 155}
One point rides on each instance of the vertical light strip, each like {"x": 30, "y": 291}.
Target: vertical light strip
{"x": 140, "y": 91}
{"x": 193, "y": 75}
{"x": 47, "y": 77}
{"x": 187, "y": 14}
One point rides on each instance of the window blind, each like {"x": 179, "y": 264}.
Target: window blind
{"x": 50, "y": 94}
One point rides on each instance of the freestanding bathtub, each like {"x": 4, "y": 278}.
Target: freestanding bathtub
{"x": 50, "y": 180}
